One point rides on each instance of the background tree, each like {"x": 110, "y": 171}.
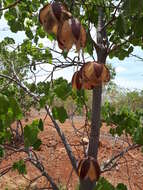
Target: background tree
{"x": 119, "y": 29}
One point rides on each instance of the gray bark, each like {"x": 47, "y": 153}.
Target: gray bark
{"x": 102, "y": 43}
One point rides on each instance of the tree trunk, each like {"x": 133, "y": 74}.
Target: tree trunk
{"x": 102, "y": 42}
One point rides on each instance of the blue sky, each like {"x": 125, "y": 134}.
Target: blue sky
{"x": 129, "y": 72}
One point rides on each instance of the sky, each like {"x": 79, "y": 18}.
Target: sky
{"x": 129, "y": 72}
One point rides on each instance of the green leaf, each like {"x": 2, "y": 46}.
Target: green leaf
{"x": 9, "y": 40}
{"x": 37, "y": 144}
{"x": 103, "y": 184}
{"x": 15, "y": 26}
{"x": 20, "y": 166}
{"x": 121, "y": 186}
{"x": 60, "y": 114}
{"x": 62, "y": 89}
{"x": 40, "y": 125}
{"x": 41, "y": 32}
{"x": 29, "y": 33}
{"x": 48, "y": 55}
{"x": 65, "y": 53}
{"x": 17, "y": 113}
{"x": 4, "y": 104}
{"x": 138, "y": 25}
{"x": 31, "y": 135}
{"x": 121, "y": 26}
{"x": 1, "y": 152}
{"x": 138, "y": 136}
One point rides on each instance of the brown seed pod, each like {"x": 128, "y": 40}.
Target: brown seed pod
{"x": 71, "y": 32}
{"x": 88, "y": 168}
{"x": 64, "y": 36}
{"x": 57, "y": 10}
{"x": 77, "y": 80}
{"x": 75, "y": 28}
{"x": 94, "y": 74}
{"x": 81, "y": 43}
{"x": 48, "y": 19}
{"x": 52, "y": 15}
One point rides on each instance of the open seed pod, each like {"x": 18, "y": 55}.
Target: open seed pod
{"x": 69, "y": 33}
{"x": 94, "y": 74}
{"x": 77, "y": 80}
{"x": 88, "y": 168}
{"x": 52, "y": 15}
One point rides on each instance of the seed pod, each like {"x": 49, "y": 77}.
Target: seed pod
{"x": 71, "y": 32}
{"x": 75, "y": 28}
{"x": 48, "y": 19}
{"x": 52, "y": 15}
{"x": 89, "y": 168}
{"x": 94, "y": 74}
{"x": 81, "y": 43}
{"x": 64, "y": 36}
{"x": 77, "y": 81}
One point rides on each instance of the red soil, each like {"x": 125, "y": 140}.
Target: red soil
{"x": 55, "y": 160}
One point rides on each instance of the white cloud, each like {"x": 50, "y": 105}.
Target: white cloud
{"x": 120, "y": 69}
{"x": 129, "y": 84}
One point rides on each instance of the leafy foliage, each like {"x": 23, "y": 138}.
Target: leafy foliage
{"x": 9, "y": 112}
{"x": 60, "y": 114}
{"x": 31, "y": 134}
{"x": 20, "y": 166}
{"x": 103, "y": 184}
{"x": 125, "y": 120}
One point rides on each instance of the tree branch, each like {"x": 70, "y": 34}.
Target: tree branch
{"x": 10, "y": 6}
{"x": 20, "y": 84}
{"x": 113, "y": 17}
{"x": 63, "y": 138}
{"x": 58, "y": 129}
{"x": 109, "y": 165}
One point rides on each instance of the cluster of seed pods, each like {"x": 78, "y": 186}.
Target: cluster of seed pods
{"x": 55, "y": 18}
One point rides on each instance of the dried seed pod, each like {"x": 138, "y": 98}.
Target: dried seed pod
{"x": 65, "y": 37}
{"x": 61, "y": 11}
{"x": 94, "y": 74}
{"x": 77, "y": 80}
{"x": 71, "y": 32}
{"x": 81, "y": 43}
{"x": 89, "y": 168}
{"x": 48, "y": 19}
{"x": 75, "y": 28}
{"x": 52, "y": 15}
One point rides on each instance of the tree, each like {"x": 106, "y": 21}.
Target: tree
{"x": 119, "y": 29}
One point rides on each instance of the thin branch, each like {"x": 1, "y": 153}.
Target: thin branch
{"x": 58, "y": 129}
{"x": 69, "y": 178}
{"x": 107, "y": 166}
{"x": 33, "y": 159}
{"x": 115, "y": 47}
{"x": 140, "y": 58}
{"x": 113, "y": 17}
{"x": 11, "y": 5}
{"x": 63, "y": 138}
{"x": 21, "y": 85}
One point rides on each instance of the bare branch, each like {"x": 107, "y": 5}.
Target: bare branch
{"x": 63, "y": 138}
{"x": 112, "y": 162}
{"x": 138, "y": 57}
